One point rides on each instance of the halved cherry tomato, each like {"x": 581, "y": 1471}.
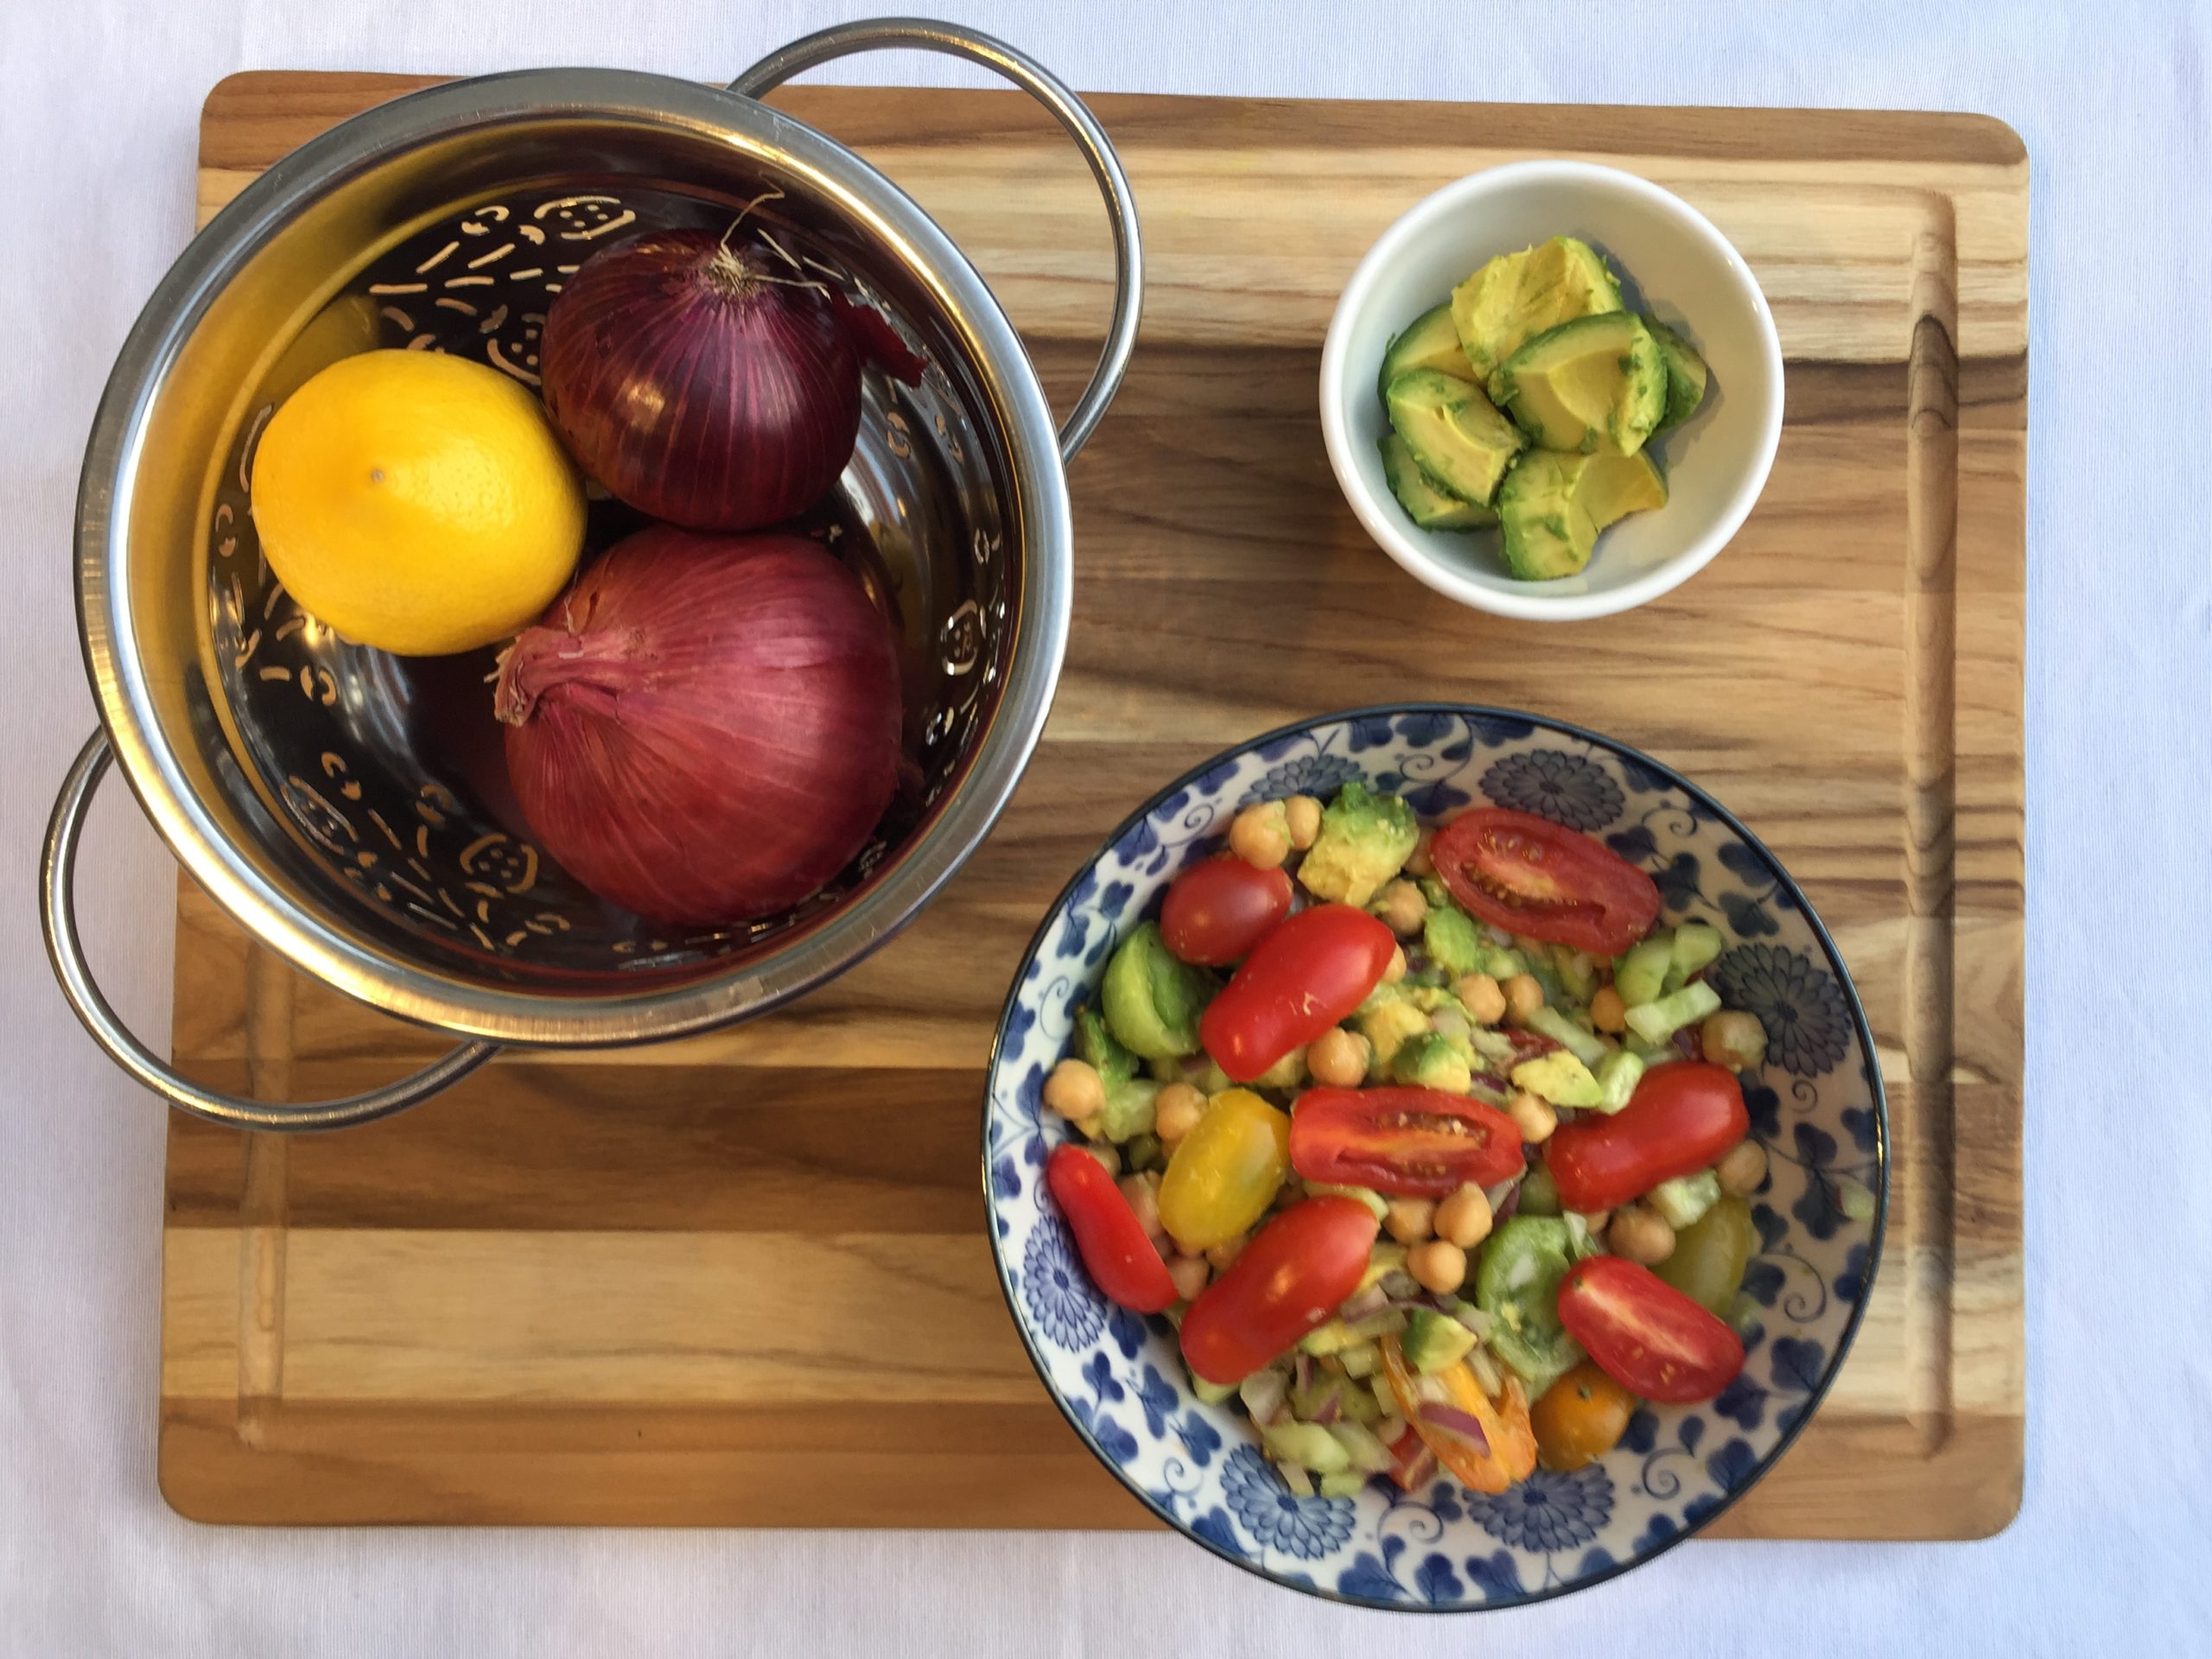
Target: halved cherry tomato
{"x": 1305, "y": 976}
{"x": 1115, "y": 1252}
{"x": 1413, "y": 1466}
{"x": 1648, "y": 1337}
{"x": 1215, "y": 912}
{"x": 1508, "y": 1452}
{"x": 1411, "y": 1143}
{"x": 1289, "y": 1279}
{"x": 1683, "y": 1116}
{"x": 1580, "y": 1417}
{"x": 1531, "y": 876}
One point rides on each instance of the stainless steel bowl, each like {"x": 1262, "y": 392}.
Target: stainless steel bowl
{"x": 343, "y": 805}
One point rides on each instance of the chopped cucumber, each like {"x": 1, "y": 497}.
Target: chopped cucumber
{"x": 1559, "y": 1078}
{"x": 1308, "y": 1445}
{"x": 1212, "y": 1394}
{"x": 1539, "y": 1192}
{"x": 1367, "y": 1195}
{"x": 1360, "y": 1360}
{"x": 1649, "y": 1054}
{"x": 1358, "y": 1405}
{"x": 1586, "y": 1046}
{"x": 1577, "y": 971}
{"x": 1617, "y": 1075}
{"x": 1503, "y": 964}
{"x": 1686, "y": 1199}
{"x": 1366, "y": 1452}
{"x": 1388, "y": 1322}
{"x": 1347, "y": 1485}
{"x": 1640, "y": 975}
{"x": 1330, "y": 1336}
{"x": 1129, "y": 1109}
{"x": 1657, "y": 1021}
{"x": 1696, "y": 945}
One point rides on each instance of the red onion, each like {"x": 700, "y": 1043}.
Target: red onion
{"x": 1452, "y": 1420}
{"x": 704, "y": 728}
{"x": 708, "y": 381}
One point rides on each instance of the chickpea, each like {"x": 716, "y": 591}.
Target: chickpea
{"x": 1402, "y": 908}
{"x": 1302, "y": 817}
{"x": 1743, "y": 1170}
{"x": 1523, "y": 996}
{"x": 1440, "y": 1265}
{"x": 1175, "y": 1112}
{"x": 1396, "y": 970}
{"x": 1733, "y": 1038}
{"x": 1641, "y": 1234}
{"x": 1075, "y": 1090}
{"x": 1143, "y": 1193}
{"x": 1608, "y": 1012}
{"x": 1337, "y": 1058}
{"x": 1595, "y": 1220}
{"x": 1261, "y": 835}
{"x": 1483, "y": 998}
{"x": 1419, "y": 862}
{"x": 1465, "y": 1217}
{"x": 1409, "y": 1220}
{"x": 1534, "y": 1117}
{"x": 1190, "y": 1273}
{"x": 1227, "y": 1251}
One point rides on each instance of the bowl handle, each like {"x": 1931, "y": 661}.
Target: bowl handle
{"x": 57, "y": 912}
{"x": 927, "y": 35}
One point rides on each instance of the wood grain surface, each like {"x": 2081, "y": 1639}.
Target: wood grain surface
{"x": 743, "y": 1279}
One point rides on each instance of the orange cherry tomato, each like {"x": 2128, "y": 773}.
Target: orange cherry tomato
{"x": 1580, "y": 1417}
{"x": 1506, "y": 1450}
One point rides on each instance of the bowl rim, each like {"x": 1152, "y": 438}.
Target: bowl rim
{"x": 1535, "y": 604}
{"x": 1866, "y": 1035}
{"x": 311, "y": 935}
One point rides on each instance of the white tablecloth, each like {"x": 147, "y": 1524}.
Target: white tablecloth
{"x": 99, "y": 101}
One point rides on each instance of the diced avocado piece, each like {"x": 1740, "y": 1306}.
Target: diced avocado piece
{"x": 1428, "y": 1062}
{"x": 1385, "y": 1257}
{"x": 1617, "y": 1075}
{"x": 1683, "y": 1200}
{"x": 1152, "y": 1000}
{"x": 1641, "y": 973}
{"x": 1697, "y": 946}
{"x": 1613, "y": 486}
{"x": 1428, "y": 504}
{"x": 1097, "y": 1044}
{"x": 1367, "y": 1195}
{"x": 1686, "y": 374}
{"x": 1212, "y": 1394}
{"x": 1548, "y": 532}
{"x": 1129, "y": 1109}
{"x": 1595, "y": 383}
{"x": 1586, "y": 1046}
{"x": 1348, "y": 1483}
{"x": 1308, "y": 1445}
{"x": 1453, "y": 433}
{"x": 1539, "y": 1192}
{"x": 1388, "y": 1027}
{"x": 1502, "y": 964}
{"x": 1452, "y": 939}
{"x": 1559, "y": 1078}
{"x": 1364, "y": 840}
{"x": 1433, "y": 1340}
{"x": 1657, "y": 1021}
{"x": 1430, "y": 341}
{"x": 1519, "y": 295}
{"x": 1330, "y": 1336}
{"x": 1360, "y": 1361}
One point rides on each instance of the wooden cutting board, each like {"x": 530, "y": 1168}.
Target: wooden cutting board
{"x": 743, "y": 1279}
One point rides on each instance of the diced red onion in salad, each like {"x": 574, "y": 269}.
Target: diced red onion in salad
{"x": 1489, "y": 1089}
{"x": 1486, "y": 1377}
{"x": 1688, "y": 1043}
{"x": 1473, "y": 1317}
{"x": 1264, "y": 1395}
{"x": 1449, "y": 1024}
{"x": 1330, "y": 1409}
{"x": 1462, "y": 1424}
{"x": 1301, "y": 1376}
{"x": 1373, "y": 1300}
{"x": 1398, "y": 1282}
{"x": 1504, "y": 1209}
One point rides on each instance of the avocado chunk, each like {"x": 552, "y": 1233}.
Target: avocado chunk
{"x": 1389, "y": 1024}
{"x": 1115, "y": 1064}
{"x": 1152, "y": 1000}
{"x": 1434, "y": 1341}
{"x": 1366, "y": 839}
{"x": 1425, "y": 504}
{"x": 1686, "y": 374}
{"x": 1452, "y": 431}
{"x": 1552, "y": 506}
{"x": 1428, "y": 1062}
{"x": 1518, "y": 296}
{"x": 1451, "y": 940}
{"x": 1559, "y": 1078}
{"x": 1430, "y": 342}
{"x": 1592, "y": 385}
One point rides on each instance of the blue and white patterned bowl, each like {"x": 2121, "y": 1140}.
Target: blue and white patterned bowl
{"x": 1816, "y": 1106}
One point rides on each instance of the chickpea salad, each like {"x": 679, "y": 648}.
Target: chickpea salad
{"x": 1428, "y": 1140}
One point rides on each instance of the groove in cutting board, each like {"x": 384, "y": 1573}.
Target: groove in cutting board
{"x": 623, "y": 1287}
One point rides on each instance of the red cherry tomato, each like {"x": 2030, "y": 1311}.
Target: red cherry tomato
{"x": 1412, "y": 1143}
{"x": 1305, "y": 976}
{"x": 1531, "y": 876}
{"x": 1291, "y": 1277}
{"x": 1215, "y": 912}
{"x": 1646, "y": 1335}
{"x": 1116, "y": 1251}
{"x": 1682, "y": 1117}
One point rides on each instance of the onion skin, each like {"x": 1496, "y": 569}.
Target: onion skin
{"x": 702, "y": 379}
{"x": 705, "y": 729}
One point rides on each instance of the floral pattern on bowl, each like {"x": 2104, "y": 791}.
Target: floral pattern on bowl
{"x": 1816, "y": 1106}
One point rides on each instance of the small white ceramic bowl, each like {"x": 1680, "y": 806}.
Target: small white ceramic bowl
{"x": 1673, "y": 265}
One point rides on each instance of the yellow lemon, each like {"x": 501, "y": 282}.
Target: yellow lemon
{"x": 415, "y": 502}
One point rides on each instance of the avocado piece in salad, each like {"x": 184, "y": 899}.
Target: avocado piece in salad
{"x": 1596, "y": 383}
{"x": 1684, "y": 1200}
{"x": 1128, "y": 1110}
{"x": 1429, "y": 1062}
{"x": 1516, "y": 296}
{"x": 1686, "y": 374}
{"x": 1389, "y": 1024}
{"x": 1433, "y": 1340}
{"x": 1516, "y": 1283}
{"x": 1151, "y": 999}
{"x": 1452, "y": 939}
{"x": 1428, "y": 503}
{"x": 1364, "y": 840}
{"x": 1551, "y": 507}
{"x": 1458, "y": 440}
{"x": 1430, "y": 341}
{"x": 1097, "y": 1044}
{"x": 1559, "y": 1078}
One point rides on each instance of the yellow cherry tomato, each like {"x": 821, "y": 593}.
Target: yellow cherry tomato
{"x": 1581, "y": 1417}
{"x": 1225, "y": 1172}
